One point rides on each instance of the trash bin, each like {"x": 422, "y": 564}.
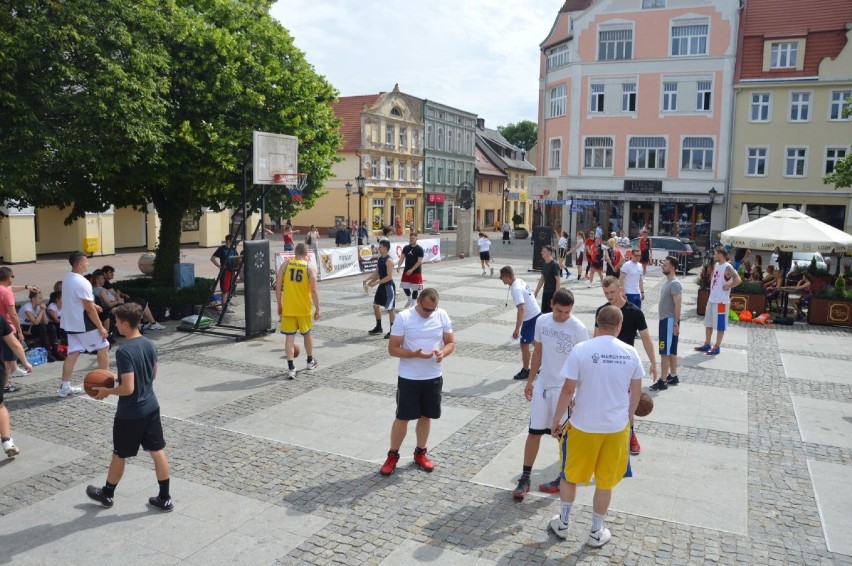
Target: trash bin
{"x": 184, "y": 275}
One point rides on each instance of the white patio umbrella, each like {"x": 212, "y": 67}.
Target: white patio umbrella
{"x": 744, "y": 216}
{"x": 790, "y": 231}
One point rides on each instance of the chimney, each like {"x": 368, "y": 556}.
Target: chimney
{"x": 480, "y": 123}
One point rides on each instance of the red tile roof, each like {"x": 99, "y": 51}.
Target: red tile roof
{"x": 348, "y": 109}
{"x": 822, "y": 24}
{"x": 576, "y": 5}
{"x": 484, "y": 167}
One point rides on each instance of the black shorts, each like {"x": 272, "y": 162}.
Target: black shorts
{"x": 385, "y": 296}
{"x": 417, "y": 398}
{"x": 546, "y": 297}
{"x": 485, "y": 256}
{"x": 8, "y": 354}
{"x": 129, "y": 434}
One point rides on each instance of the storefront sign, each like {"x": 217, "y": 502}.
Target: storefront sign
{"x": 642, "y": 186}
{"x": 434, "y": 198}
{"x": 513, "y": 196}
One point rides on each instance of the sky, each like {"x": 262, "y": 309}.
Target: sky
{"x": 481, "y": 56}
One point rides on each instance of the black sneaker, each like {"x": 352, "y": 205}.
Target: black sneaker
{"x": 387, "y": 336}
{"x": 97, "y": 494}
{"x": 522, "y": 489}
{"x": 375, "y": 331}
{"x": 659, "y": 385}
{"x": 164, "y": 505}
{"x": 672, "y": 380}
{"x": 523, "y": 374}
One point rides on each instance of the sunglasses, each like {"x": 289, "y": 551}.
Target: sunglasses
{"x": 425, "y": 309}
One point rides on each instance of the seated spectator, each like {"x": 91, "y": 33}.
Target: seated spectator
{"x": 108, "y": 299}
{"x": 771, "y": 283}
{"x": 746, "y": 270}
{"x": 54, "y": 313}
{"x": 34, "y": 321}
{"x": 804, "y": 287}
{"x": 757, "y": 268}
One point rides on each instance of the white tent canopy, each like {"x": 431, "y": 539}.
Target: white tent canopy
{"x": 790, "y": 231}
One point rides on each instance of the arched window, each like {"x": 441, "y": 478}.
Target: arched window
{"x": 395, "y": 111}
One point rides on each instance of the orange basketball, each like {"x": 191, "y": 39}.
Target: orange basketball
{"x": 645, "y": 406}
{"x": 98, "y": 378}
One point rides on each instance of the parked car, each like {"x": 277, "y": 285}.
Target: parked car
{"x": 802, "y": 260}
{"x": 683, "y": 249}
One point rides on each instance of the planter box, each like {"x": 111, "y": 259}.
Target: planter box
{"x": 830, "y": 312}
{"x": 739, "y": 303}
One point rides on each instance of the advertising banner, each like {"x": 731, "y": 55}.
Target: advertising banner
{"x": 368, "y": 256}
{"x": 338, "y": 262}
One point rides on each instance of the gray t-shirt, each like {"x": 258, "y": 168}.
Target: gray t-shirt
{"x": 667, "y": 293}
{"x": 137, "y": 356}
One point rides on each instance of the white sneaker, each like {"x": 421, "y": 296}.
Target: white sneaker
{"x": 156, "y": 326}
{"x": 599, "y": 538}
{"x": 19, "y": 373}
{"x": 10, "y": 449}
{"x": 483, "y": 272}
{"x": 67, "y": 390}
{"x": 560, "y": 529}
{"x": 312, "y": 364}
{"x": 291, "y": 374}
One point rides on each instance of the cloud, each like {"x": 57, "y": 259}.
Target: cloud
{"x": 476, "y": 55}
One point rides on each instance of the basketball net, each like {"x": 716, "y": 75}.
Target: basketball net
{"x": 293, "y": 182}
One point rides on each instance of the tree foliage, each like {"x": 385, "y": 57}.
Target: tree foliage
{"x": 153, "y": 101}
{"x": 841, "y": 176}
{"x": 524, "y": 134}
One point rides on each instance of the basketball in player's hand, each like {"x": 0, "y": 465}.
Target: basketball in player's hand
{"x": 645, "y": 406}
{"x": 98, "y": 378}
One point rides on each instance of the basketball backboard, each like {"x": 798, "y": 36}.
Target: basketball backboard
{"x": 274, "y": 154}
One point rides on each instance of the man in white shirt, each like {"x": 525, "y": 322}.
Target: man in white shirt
{"x": 556, "y": 334}
{"x": 724, "y": 278}
{"x": 484, "y": 244}
{"x": 632, "y": 279}
{"x": 421, "y": 338}
{"x": 527, "y": 312}
{"x": 81, "y": 322}
{"x": 603, "y": 377}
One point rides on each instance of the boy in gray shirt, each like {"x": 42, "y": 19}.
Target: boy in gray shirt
{"x": 671, "y": 294}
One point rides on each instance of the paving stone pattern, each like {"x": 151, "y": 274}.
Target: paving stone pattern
{"x": 371, "y": 516}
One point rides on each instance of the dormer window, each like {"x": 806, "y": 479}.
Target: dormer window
{"x": 395, "y": 111}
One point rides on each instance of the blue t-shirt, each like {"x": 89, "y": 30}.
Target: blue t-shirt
{"x": 139, "y": 357}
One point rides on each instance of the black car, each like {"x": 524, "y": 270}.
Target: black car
{"x": 683, "y": 249}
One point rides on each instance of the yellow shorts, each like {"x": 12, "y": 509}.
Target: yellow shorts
{"x": 602, "y": 454}
{"x": 292, "y": 324}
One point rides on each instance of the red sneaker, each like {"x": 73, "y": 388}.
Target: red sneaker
{"x": 390, "y": 464}
{"x": 422, "y": 460}
{"x": 634, "y": 444}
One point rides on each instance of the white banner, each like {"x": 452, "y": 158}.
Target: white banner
{"x": 338, "y": 262}
{"x": 370, "y": 254}
{"x": 281, "y": 257}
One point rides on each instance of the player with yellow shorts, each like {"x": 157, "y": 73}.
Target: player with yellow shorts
{"x": 298, "y": 305}
{"x": 602, "y": 455}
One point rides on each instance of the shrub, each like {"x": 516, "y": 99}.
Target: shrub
{"x": 167, "y": 296}
{"x": 748, "y": 288}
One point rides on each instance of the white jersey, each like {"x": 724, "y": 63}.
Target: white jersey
{"x": 623, "y": 242}
{"x": 563, "y": 243}
{"x": 605, "y": 368}
{"x": 484, "y": 244}
{"x": 581, "y": 246}
{"x": 558, "y": 340}
{"x": 421, "y": 333}
{"x": 521, "y": 295}
{"x": 75, "y": 290}
{"x": 717, "y": 293}
{"x": 632, "y": 272}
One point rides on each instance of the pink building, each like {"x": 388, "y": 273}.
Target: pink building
{"x": 634, "y": 116}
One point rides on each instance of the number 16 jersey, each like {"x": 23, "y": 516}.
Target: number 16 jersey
{"x": 296, "y": 290}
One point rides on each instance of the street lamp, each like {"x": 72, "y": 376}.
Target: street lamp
{"x": 713, "y": 192}
{"x": 359, "y": 182}
{"x": 348, "y": 194}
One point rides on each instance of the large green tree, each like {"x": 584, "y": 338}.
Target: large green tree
{"x": 523, "y": 134}
{"x": 155, "y": 101}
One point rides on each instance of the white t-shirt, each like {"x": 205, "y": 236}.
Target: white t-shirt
{"x": 558, "y": 340}
{"x": 632, "y": 272}
{"x": 25, "y": 308}
{"x": 421, "y": 333}
{"x": 563, "y": 243}
{"x": 53, "y": 308}
{"x": 623, "y": 242}
{"x": 484, "y": 244}
{"x": 75, "y": 290}
{"x": 521, "y": 295}
{"x": 581, "y": 246}
{"x": 717, "y": 293}
{"x": 604, "y": 368}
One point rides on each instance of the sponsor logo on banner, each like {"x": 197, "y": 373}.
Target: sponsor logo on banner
{"x": 338, "y": 262}
{"x": 368, "y": 256}
{"x": 281, "y": 257}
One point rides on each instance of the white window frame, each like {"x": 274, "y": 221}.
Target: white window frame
{"x": 761, "y": 105}
{"x": 388, "y": 169}
{"x": 597, "y": 152}
{"x": 390, "y": 133}
{"x": 693, "y": 147}
{"x": 649, "y": 4}
{"x": 795, "y": 160}
{"x": 704, "y": 96}
{"x": 440, "y": 138}
{"x": 837, "y": 104}
{"x": 558, "y": 56}
{"x": 430, "y": 167}
{"x": 555, "y": 153}
{"x": 378, "y": 202}
{"x": 374, "y": 169}
{"x": 439, "y": 177}
{"x": 642, "y": 151}
{"x": 800, "y": 103}
{"x": 451, "y": 169}
{"x": 628, "y": 97}
{"x": 757, "y": 155}
{"x": 558, "y": 100}
{"x": 833, "y": 155}
{"x": 401, "y": 174}
{"x": 410, "y": 203}
{"x": 669, "y": 103}
{"x": 783, "y": 54}
{"x": 597, "y": 98}
{"x": 403, "y": 138}
{"x": 618, "y": 45}
{"x": 692, "y": 43}
{"x": 430, "y": 136}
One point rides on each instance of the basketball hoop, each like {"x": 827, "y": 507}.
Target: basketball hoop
{"x": 294, "y": 182}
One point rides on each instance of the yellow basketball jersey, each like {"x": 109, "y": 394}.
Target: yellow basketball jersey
{"x": 296, "y": 290}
